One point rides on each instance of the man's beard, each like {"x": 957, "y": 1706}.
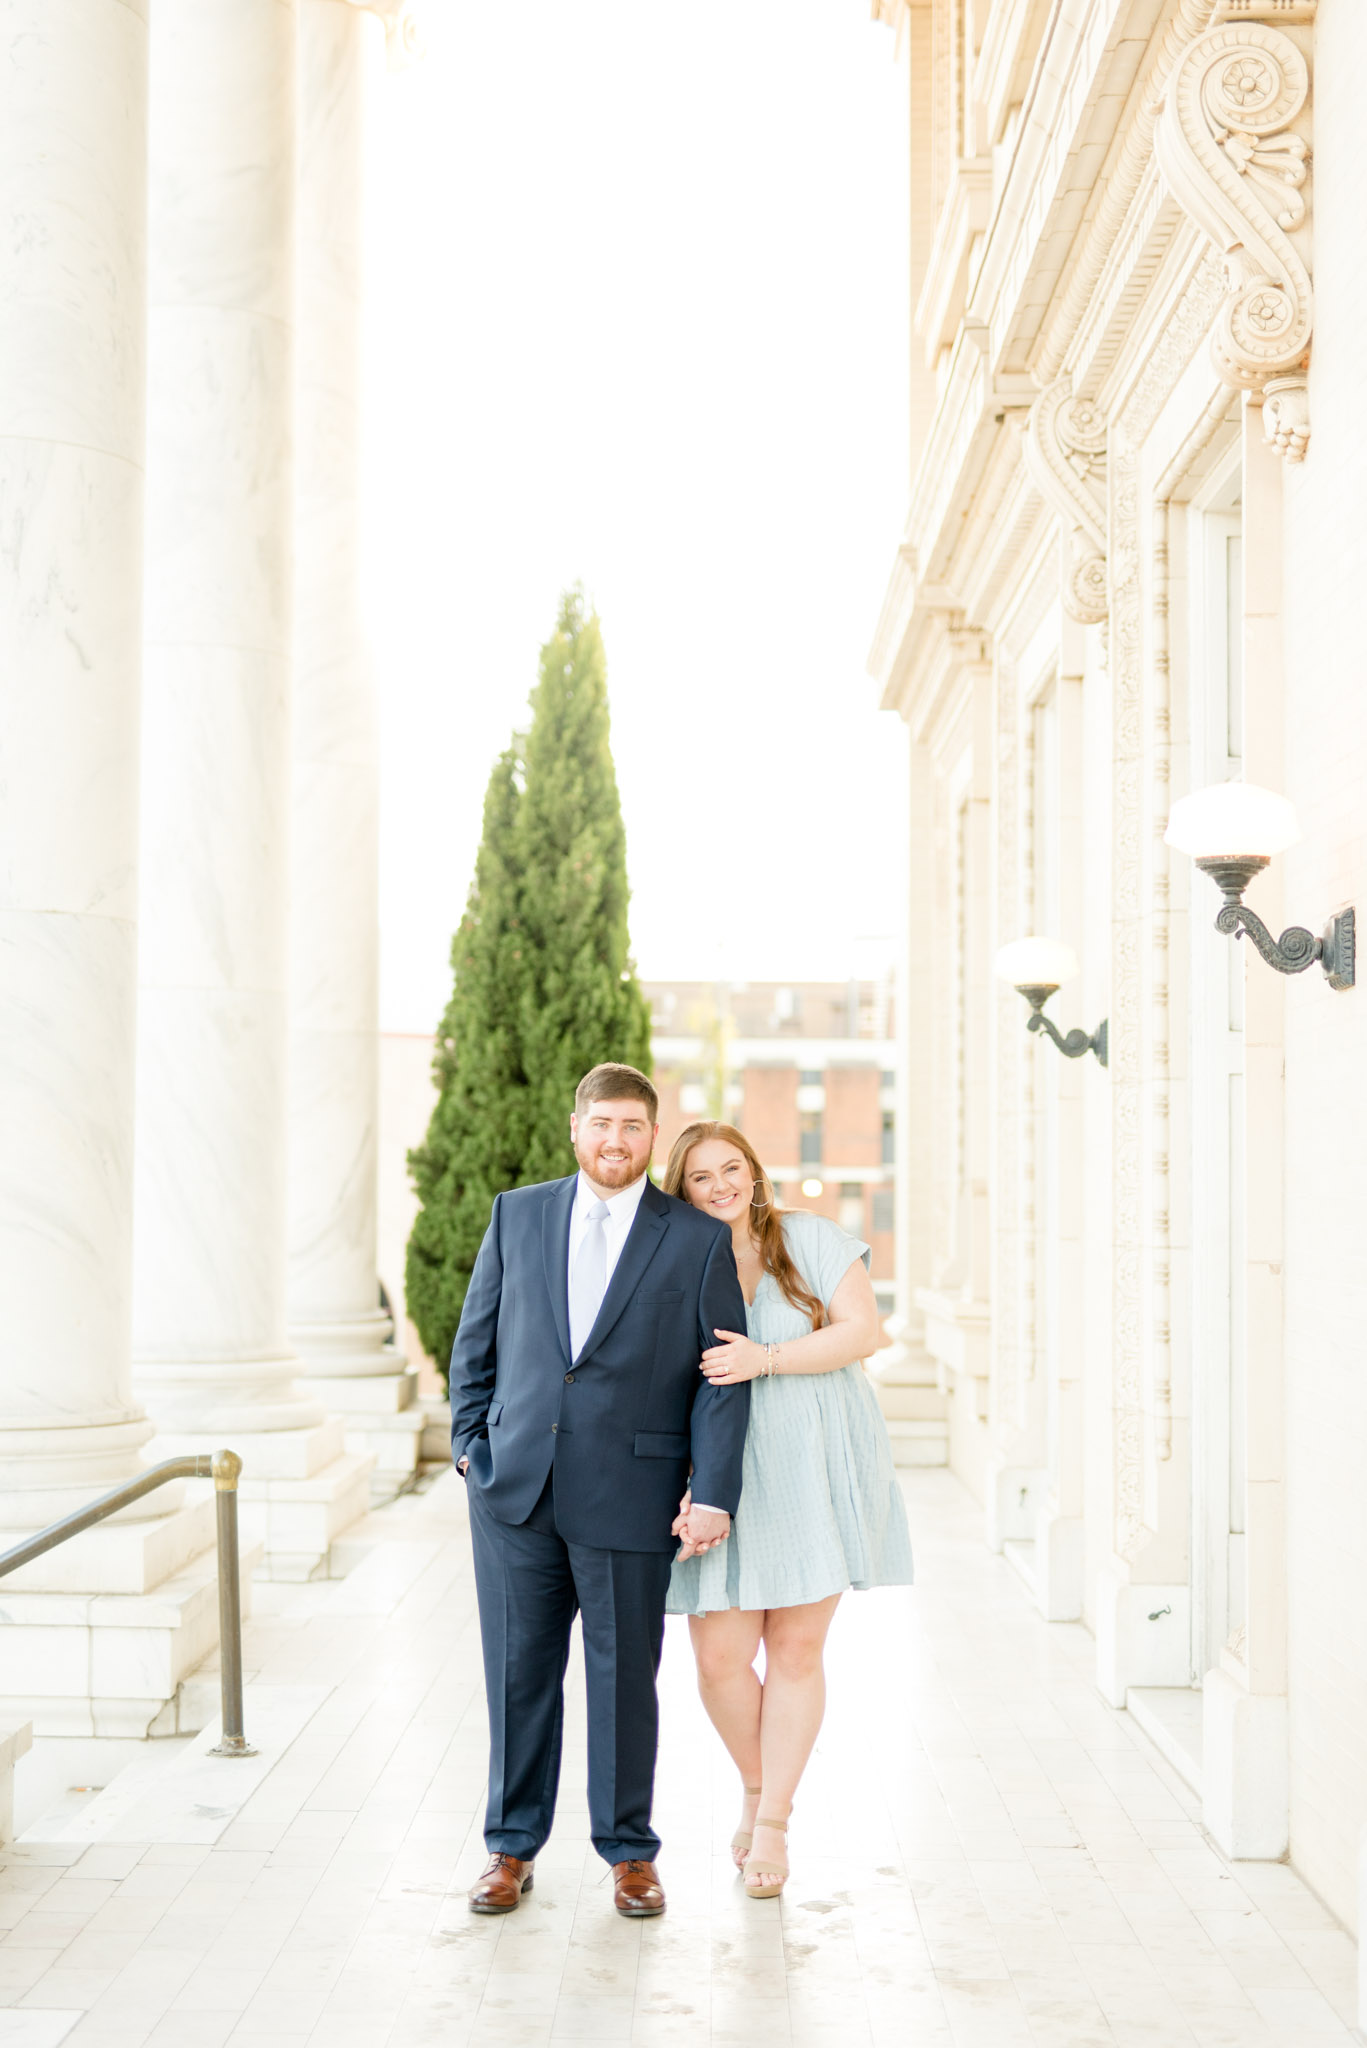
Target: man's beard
{"x": 609, "y": 1173}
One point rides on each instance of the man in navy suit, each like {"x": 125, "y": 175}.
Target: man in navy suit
{"x": 578, "y": 1412}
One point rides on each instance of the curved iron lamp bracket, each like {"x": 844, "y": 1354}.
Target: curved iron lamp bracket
{"x": 1297, "y": 948}
{"x": 1077, "y": 1042}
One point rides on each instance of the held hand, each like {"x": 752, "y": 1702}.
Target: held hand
{"x": 735, "y": 1359}
{"x": 676, "y": 1527}
{"x": 701, "y": 1530}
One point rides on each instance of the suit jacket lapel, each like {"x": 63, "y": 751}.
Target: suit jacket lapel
{"x": 643, "y": 1241}
{"x": 555, "y": 1251}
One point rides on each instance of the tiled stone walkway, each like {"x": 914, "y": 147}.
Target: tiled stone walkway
{"x": 984, "y": 1855}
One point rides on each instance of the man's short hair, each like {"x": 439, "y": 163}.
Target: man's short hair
{"x": 612, "y": 1082}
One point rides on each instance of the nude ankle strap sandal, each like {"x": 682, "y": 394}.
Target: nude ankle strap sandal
{"x": 743, "y": 1837}
{"x": 767, "y": 1891}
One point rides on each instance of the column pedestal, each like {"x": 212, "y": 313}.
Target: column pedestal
{"x": 906, "y": 1380}
{"x": 1245, "y": 1789}
{"x": 1143, "y": 1636}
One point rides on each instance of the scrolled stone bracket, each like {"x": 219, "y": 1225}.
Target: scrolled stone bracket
{"x": 1065, "y": 451}
{"x": 1232, "y": 144}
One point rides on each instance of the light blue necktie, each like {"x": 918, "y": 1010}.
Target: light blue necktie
{"x": 589, "y": 1280}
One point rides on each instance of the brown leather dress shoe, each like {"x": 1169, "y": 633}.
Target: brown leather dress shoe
{"x": 501, "y": 1885}
{"x": 636, "y": 1890}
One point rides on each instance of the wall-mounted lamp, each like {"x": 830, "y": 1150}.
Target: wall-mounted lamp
{"x": 1231, "y": 830}
{"x": 1037, "y": 967}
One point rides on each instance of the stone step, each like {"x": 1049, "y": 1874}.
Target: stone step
{"x": 120, "y": 1555}
{"x": 912, "y": 1404}
{"x": 1171, "y": 1716}
{"x": 188, "y": 1795}
{"x": 112, "y": 1664}
{"x": 298, "y": 1519}
{"x": 919, "y": 1442}
{"x": 16, "y": 1738}
{"x": 373, "y": 1394}
{"x": 436, "y": 1435}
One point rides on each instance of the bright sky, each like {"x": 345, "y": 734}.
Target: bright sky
{"x": 639, "y": 319}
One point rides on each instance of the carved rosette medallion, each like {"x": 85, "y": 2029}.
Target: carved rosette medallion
{"x": 1232, "y": 148}
{"x": 1065, "y": 451}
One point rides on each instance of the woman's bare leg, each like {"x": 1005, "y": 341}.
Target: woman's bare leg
{"x": 793, "y": 1704}
{"x": 725, "y": 1646}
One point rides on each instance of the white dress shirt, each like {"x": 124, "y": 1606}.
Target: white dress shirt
{"x": 621, "y": 1215}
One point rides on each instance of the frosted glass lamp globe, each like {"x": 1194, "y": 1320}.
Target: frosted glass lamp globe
{"x": 1036, "y": 963}
{"x": 1232, "y": 821}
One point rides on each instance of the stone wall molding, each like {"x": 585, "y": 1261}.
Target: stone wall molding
{"x": 1232, "y": 149}
{"x": 1065, "y": 451}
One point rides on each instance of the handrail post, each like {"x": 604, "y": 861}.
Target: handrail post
{"x": 232, "y": 1742}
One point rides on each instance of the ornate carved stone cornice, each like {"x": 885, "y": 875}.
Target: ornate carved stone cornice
{"x": 1232, "y": 144}
{"x": 1065, "y": 450}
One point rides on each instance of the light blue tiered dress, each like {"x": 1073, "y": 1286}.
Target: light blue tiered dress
{"x": 820, "y": 1509}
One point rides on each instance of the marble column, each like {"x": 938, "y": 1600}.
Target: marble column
{"x": 212, "y": 1356}
{"x": 343, "y": 1337}
{"x": 73, "y": 139}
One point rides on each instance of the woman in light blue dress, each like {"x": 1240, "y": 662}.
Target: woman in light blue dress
{"x": 820, "y": 1510}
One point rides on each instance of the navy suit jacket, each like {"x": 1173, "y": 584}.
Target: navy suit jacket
{"x": 623, "y": 1422}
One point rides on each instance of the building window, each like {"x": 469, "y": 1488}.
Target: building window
{"x": 809, "y": 1138}
{"x": 883, "y": 1212}
{"x": 889, "y": 1154}
{"x": 810, "y": 1077}
{"x": 888, "y": 1078}
{"x": 851, "y": 1212}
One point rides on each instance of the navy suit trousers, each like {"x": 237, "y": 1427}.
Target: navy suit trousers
{"x": 531, "y": 1583}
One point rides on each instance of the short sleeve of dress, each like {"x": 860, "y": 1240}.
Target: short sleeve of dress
{"x": 822, "y": 1250}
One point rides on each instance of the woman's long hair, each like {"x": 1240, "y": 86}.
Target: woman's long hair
{"x": 765, "y": 1225}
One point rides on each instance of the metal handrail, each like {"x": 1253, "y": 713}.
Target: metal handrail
{"x": 224, "y": 1469}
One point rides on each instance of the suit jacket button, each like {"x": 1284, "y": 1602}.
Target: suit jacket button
{"x": 554, "y": 1427}
{"x": 569, "y": 1379}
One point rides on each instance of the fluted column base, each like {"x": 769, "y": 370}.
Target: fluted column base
{"x": 352, "y": 1364}
{"x": 198, "y": 1397}
{"x": 50, "y": 1471}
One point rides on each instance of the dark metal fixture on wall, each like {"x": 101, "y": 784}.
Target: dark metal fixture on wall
{"x": 1037, "y": 967}
{"x": 1207, "y": 824}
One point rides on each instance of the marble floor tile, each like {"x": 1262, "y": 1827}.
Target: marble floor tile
{"x": 1023, "y": 1873}
{"x": 35, "y": 2029}
{"x": 63, "y": 1986}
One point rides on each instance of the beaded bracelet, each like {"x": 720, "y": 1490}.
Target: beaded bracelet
{"x": 770, "y": 1366}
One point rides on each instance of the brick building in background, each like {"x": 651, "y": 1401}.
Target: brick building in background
{"x": 805, "y": 1069}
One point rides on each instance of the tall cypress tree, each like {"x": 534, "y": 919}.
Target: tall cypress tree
{"x": 544, "y": 984}
{"x": 476, "y": 1137}
{"x": 581, "y": 1001}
